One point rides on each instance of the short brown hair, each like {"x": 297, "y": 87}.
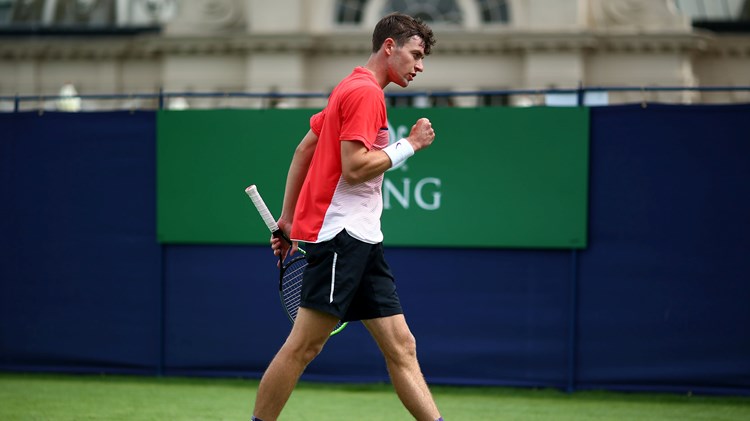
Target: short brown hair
{"x": 401, "y": 27}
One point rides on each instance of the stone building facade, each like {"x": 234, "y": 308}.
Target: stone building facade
{"x": 300, "y": 46}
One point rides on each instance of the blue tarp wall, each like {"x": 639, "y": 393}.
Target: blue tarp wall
{"x": 660, "y": 299}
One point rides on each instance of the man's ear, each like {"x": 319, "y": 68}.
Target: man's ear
{"x": 388, "y": 45}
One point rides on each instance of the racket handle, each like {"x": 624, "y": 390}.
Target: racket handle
{"x": 260, "y": 205}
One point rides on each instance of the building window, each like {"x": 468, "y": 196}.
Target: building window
{"x": 711, "y": 10}
{"x": 493, "y": 11}
{"x": 718, "y": 15}
{"x": 433, "y": 11}
{"x": 26, "y": 12}
{"x": 350, "y": 11}
{"x": 5, "y": 10}
{"x": 99, "y": 13}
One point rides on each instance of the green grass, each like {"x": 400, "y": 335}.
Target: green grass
{"x": 58, "y": 397}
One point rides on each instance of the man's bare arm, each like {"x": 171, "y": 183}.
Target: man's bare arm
{"x": 297, "y": 173}
{"x": 358, "y": 164}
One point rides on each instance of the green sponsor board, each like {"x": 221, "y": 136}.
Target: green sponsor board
{"x": 494, "y": 177}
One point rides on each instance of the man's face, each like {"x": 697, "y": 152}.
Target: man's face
{"x": 406, "y": 61}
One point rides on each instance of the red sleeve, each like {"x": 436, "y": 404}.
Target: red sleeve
{"x": 316, "y": 122}
{"x": 362, "y": 115}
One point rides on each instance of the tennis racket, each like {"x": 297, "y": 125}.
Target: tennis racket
{"x": 290, "y": 274}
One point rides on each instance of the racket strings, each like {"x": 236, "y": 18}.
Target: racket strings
{"x": 291, "y": 286}
{"x": 291, "y": 289}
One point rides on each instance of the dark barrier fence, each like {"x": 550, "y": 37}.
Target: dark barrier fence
{"x": 657, "y": 301}
{"x": 581, "y": 95}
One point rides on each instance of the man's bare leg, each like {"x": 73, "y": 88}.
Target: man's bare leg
{"x": 309, "y": 334}
{"x": 399, "y": 349}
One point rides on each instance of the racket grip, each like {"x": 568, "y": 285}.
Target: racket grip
{"x": 260, "y": 205}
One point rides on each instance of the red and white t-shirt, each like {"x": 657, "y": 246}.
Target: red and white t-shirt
{"x": 327, "y": 204}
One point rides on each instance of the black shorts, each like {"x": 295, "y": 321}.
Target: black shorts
{"x": 349, "y": 279}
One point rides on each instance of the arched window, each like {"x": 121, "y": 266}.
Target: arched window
{"x": 493, "y": 11}
{"x": 434, "y": 11}
{"x": 350, "y": 11}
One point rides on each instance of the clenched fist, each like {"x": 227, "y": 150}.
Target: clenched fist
{"x": 421, "y": 135}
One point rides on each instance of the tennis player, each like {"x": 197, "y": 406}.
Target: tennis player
{"x": 333, "y": 202}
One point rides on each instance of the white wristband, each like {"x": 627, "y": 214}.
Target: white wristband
{"x": 399, "y": 152}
